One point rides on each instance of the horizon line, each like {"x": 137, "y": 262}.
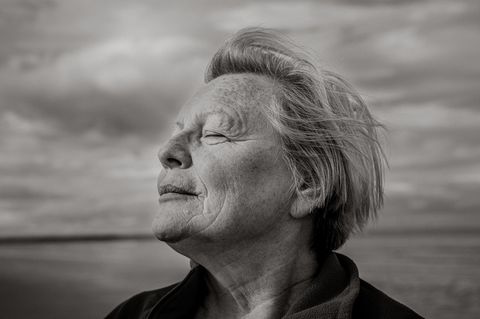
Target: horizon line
{"x": 110, "y": 237}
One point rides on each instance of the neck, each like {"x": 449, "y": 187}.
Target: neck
{"x": 258, "y": 278}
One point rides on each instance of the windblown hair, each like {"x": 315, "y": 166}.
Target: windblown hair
{"x": 329, "y": 138}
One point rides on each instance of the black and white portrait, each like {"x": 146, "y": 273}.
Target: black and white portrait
{"x": 239, "y": 159}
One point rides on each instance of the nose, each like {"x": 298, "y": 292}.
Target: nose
{"x": 175, "y": 154}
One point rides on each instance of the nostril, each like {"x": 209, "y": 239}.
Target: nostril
{"x": 173, "y": 162}
{"x": 175, "y": 154}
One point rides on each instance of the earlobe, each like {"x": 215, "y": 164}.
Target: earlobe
{"x": 303, "y": 204}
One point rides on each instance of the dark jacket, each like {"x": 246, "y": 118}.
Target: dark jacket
{"x": 336, "y": 292}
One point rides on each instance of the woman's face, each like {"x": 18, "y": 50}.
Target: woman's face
{"x": 223, "y": 175}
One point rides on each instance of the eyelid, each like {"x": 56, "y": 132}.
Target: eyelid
{"x": 208, "y": 133}
{"x": 214, "y": 134}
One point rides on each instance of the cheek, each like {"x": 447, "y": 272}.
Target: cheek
{"x": 246, "y": 191}
{"x": 213, "y": 175}
{"x": 252, "y": 176}
{"x": 261, "y": 170}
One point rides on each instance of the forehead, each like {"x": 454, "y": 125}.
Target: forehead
{"x": 243, "y": 95}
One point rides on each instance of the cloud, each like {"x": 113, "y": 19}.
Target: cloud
{"x": 86, "y": 88}
{"x": 430, "y": 116}
{"x": 427, "y": 140}
{"x": 281, "y": 15}
{"x": 117, "y": 86}
{"x": 399, "y": 52}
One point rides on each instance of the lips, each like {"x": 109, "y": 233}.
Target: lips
{"x": 174, "y": 189}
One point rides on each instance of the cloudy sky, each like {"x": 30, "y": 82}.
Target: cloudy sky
{"x": 88, "y": 88}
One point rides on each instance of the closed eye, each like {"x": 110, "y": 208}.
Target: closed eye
{"x": 214, "y": 137}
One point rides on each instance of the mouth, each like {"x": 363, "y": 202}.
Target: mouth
{"x": 169, "y": 190}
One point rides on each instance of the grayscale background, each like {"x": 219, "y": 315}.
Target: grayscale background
{"x": 88, "y": 89}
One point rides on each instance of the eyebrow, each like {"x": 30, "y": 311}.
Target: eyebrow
{"x": 228, "y": 121}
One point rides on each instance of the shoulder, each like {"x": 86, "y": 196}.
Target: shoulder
{"x": 140, "y": 304}
{"x": 372, "y": 303}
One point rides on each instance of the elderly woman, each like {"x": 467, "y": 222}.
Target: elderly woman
{"x": 271, "y": 166}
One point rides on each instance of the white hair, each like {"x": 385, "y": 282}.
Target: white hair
{"x": 329, "y": 138}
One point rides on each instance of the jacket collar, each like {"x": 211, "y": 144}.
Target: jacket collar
{"x": 331, "y": 295}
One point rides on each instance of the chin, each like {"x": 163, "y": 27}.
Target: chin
{"x": 171, "y": 223}
{"x": 166, "y": 231}
{"x": 168, "y": 238}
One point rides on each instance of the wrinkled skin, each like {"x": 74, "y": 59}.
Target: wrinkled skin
{"x": 224, "y": 148}
{"x": 239, "y": 220}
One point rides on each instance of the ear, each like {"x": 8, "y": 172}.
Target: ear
{"x": 303, "y": 203}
